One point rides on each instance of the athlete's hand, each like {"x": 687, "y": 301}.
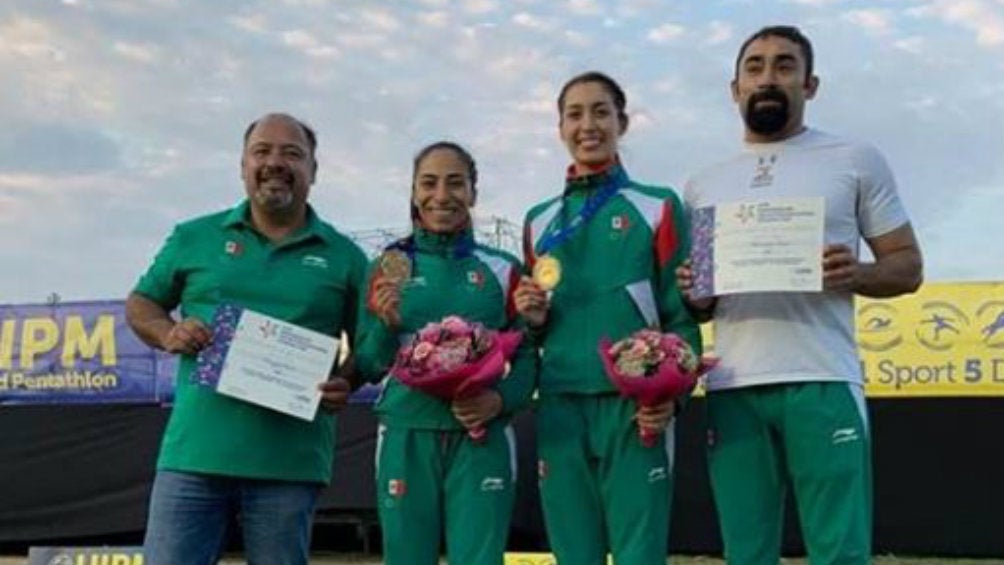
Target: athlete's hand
{"x": 385, "y": 301}
{"x": 840, "y": 268}
{"x": 656, "y": 417}
{"x": 476, "y": 411}
{"x": 531, "y": 302}
{"x": 685, "y": 282}
{"x": 334, "y": 393}
{"x": 188, "y": 336}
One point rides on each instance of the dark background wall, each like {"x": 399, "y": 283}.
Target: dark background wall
{"x": 84, "y": 472}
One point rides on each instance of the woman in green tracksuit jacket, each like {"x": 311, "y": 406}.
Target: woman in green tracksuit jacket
{"x": 618, "y": 244}
{"x": 430, "y": 475}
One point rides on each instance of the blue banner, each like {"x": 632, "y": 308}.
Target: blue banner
{"x": 85, "y": 353}
{"x": 78, "y": 352}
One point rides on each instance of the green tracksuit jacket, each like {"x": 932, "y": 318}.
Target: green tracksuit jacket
{"x": 617, "y": 275}
{"x": 451, "y": 275}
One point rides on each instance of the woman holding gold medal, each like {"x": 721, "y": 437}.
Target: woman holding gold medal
{"x": 431, "y": 477}
{"x": 602, "y": 256}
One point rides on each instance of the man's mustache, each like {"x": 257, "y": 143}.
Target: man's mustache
{"x": 768, "y": 96}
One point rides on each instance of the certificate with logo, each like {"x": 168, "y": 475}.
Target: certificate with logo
{"x": 266, "y": 361}
{"x": 759, "y": 246}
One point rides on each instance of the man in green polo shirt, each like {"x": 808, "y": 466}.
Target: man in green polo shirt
{"x": 221, "y": 456}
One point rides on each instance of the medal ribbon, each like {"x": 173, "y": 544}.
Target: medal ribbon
{"x": 555, "y": 236}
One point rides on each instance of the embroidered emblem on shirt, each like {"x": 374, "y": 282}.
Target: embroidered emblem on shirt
{"x": 657, "y": 474}
{"x": 396, "y": 488}
{"x": 762, "y": 173}
{"x": 620, "y": 222}
{"x": 844, "y": 435}
{"x": 476, "y": 278}
{"x": 314, "y": 261}
{"x": 233, "y": 248}
{"x": 489, "y": 484}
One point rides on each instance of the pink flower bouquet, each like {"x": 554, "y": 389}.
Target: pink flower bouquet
{"x": 652, "y": 367}
{"x": 454, "y": 359}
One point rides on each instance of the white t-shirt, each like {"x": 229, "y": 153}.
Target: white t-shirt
{"x": 781, "y": 337}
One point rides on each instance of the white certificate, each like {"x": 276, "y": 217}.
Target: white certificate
{"x": 277, "y": 365}
{"x": 761, "y": 246}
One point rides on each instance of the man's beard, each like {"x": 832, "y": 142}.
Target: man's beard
{"x": 274, "y": 200}
{"x": 766, "y": 119}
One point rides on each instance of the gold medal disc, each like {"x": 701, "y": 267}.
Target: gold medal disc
{"x": 395, "y": 265}
{"x": 547, "y": 272}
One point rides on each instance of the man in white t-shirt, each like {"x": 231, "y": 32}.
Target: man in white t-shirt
{"x": 786, "y": 402}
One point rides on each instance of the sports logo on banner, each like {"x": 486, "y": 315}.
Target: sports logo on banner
{"x": 78, "y": 352}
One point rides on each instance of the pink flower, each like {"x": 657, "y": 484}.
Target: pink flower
{"x": 456, "y": 325}
{"x": 430, "y": 333}
{"x": 422, "y": 350}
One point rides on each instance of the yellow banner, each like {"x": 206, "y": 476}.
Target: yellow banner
{"x": 945, "y": 340}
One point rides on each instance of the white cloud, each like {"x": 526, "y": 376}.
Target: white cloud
{"x": 816, "y": 2}
{"x": 140, "y": 53}
{"x": 976, "y": 15}
{"x": 480, "y": 6}
{"x": 665, "y": 33}
{"x": 914, "y": 44}
{"x": 876, "y": 21}
{"x": 578, "y": 39}
{"x": 667, "y": 86}
{"x": 30, "y": 39}
{"x": 540, "y": 102}
{"x": 584, "y": 7}
{"x": 306, "y": 43}
{"x": 361, "y": 40}
{"x": 380, "y": 19}
{"x": 254, "y": 23}
{"x": 641, "y": 121}
{"x": 437, "y": 19}
{"x": 532, "y": 22}
{"x": 718, "y": 32}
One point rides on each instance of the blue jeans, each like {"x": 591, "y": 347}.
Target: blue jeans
{"x": 189, "y": 515}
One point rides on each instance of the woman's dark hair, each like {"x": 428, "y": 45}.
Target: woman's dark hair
{"x": 459, "y": 151}
{"x": 609, "y": 84}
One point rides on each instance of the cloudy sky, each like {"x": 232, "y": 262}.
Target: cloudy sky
{"x": 119, "y": 118}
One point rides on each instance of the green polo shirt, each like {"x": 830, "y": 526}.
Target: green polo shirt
{"x": 311, "y": 279}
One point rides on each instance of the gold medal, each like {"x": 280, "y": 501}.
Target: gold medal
{"x": 395, "y": 265}
{"x": 547, "y": 272}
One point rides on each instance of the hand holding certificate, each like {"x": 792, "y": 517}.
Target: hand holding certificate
{"x": 266, "y": 361}
{"x": 763, "y": 246}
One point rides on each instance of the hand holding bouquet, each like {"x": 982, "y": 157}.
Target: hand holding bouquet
{"x": 454, "y": 359}
{"x": 652, "y": 367}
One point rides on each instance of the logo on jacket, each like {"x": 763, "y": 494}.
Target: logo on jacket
{"x": 233, "y": 248}
{"x": 489, "y": 484}
{"x": 315, "y": 261}
{"x": 396, "y": 488}
{"x": 476, "y": 278}
{"x": 542, "y": 469}
{"x": 620, "y": 222}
